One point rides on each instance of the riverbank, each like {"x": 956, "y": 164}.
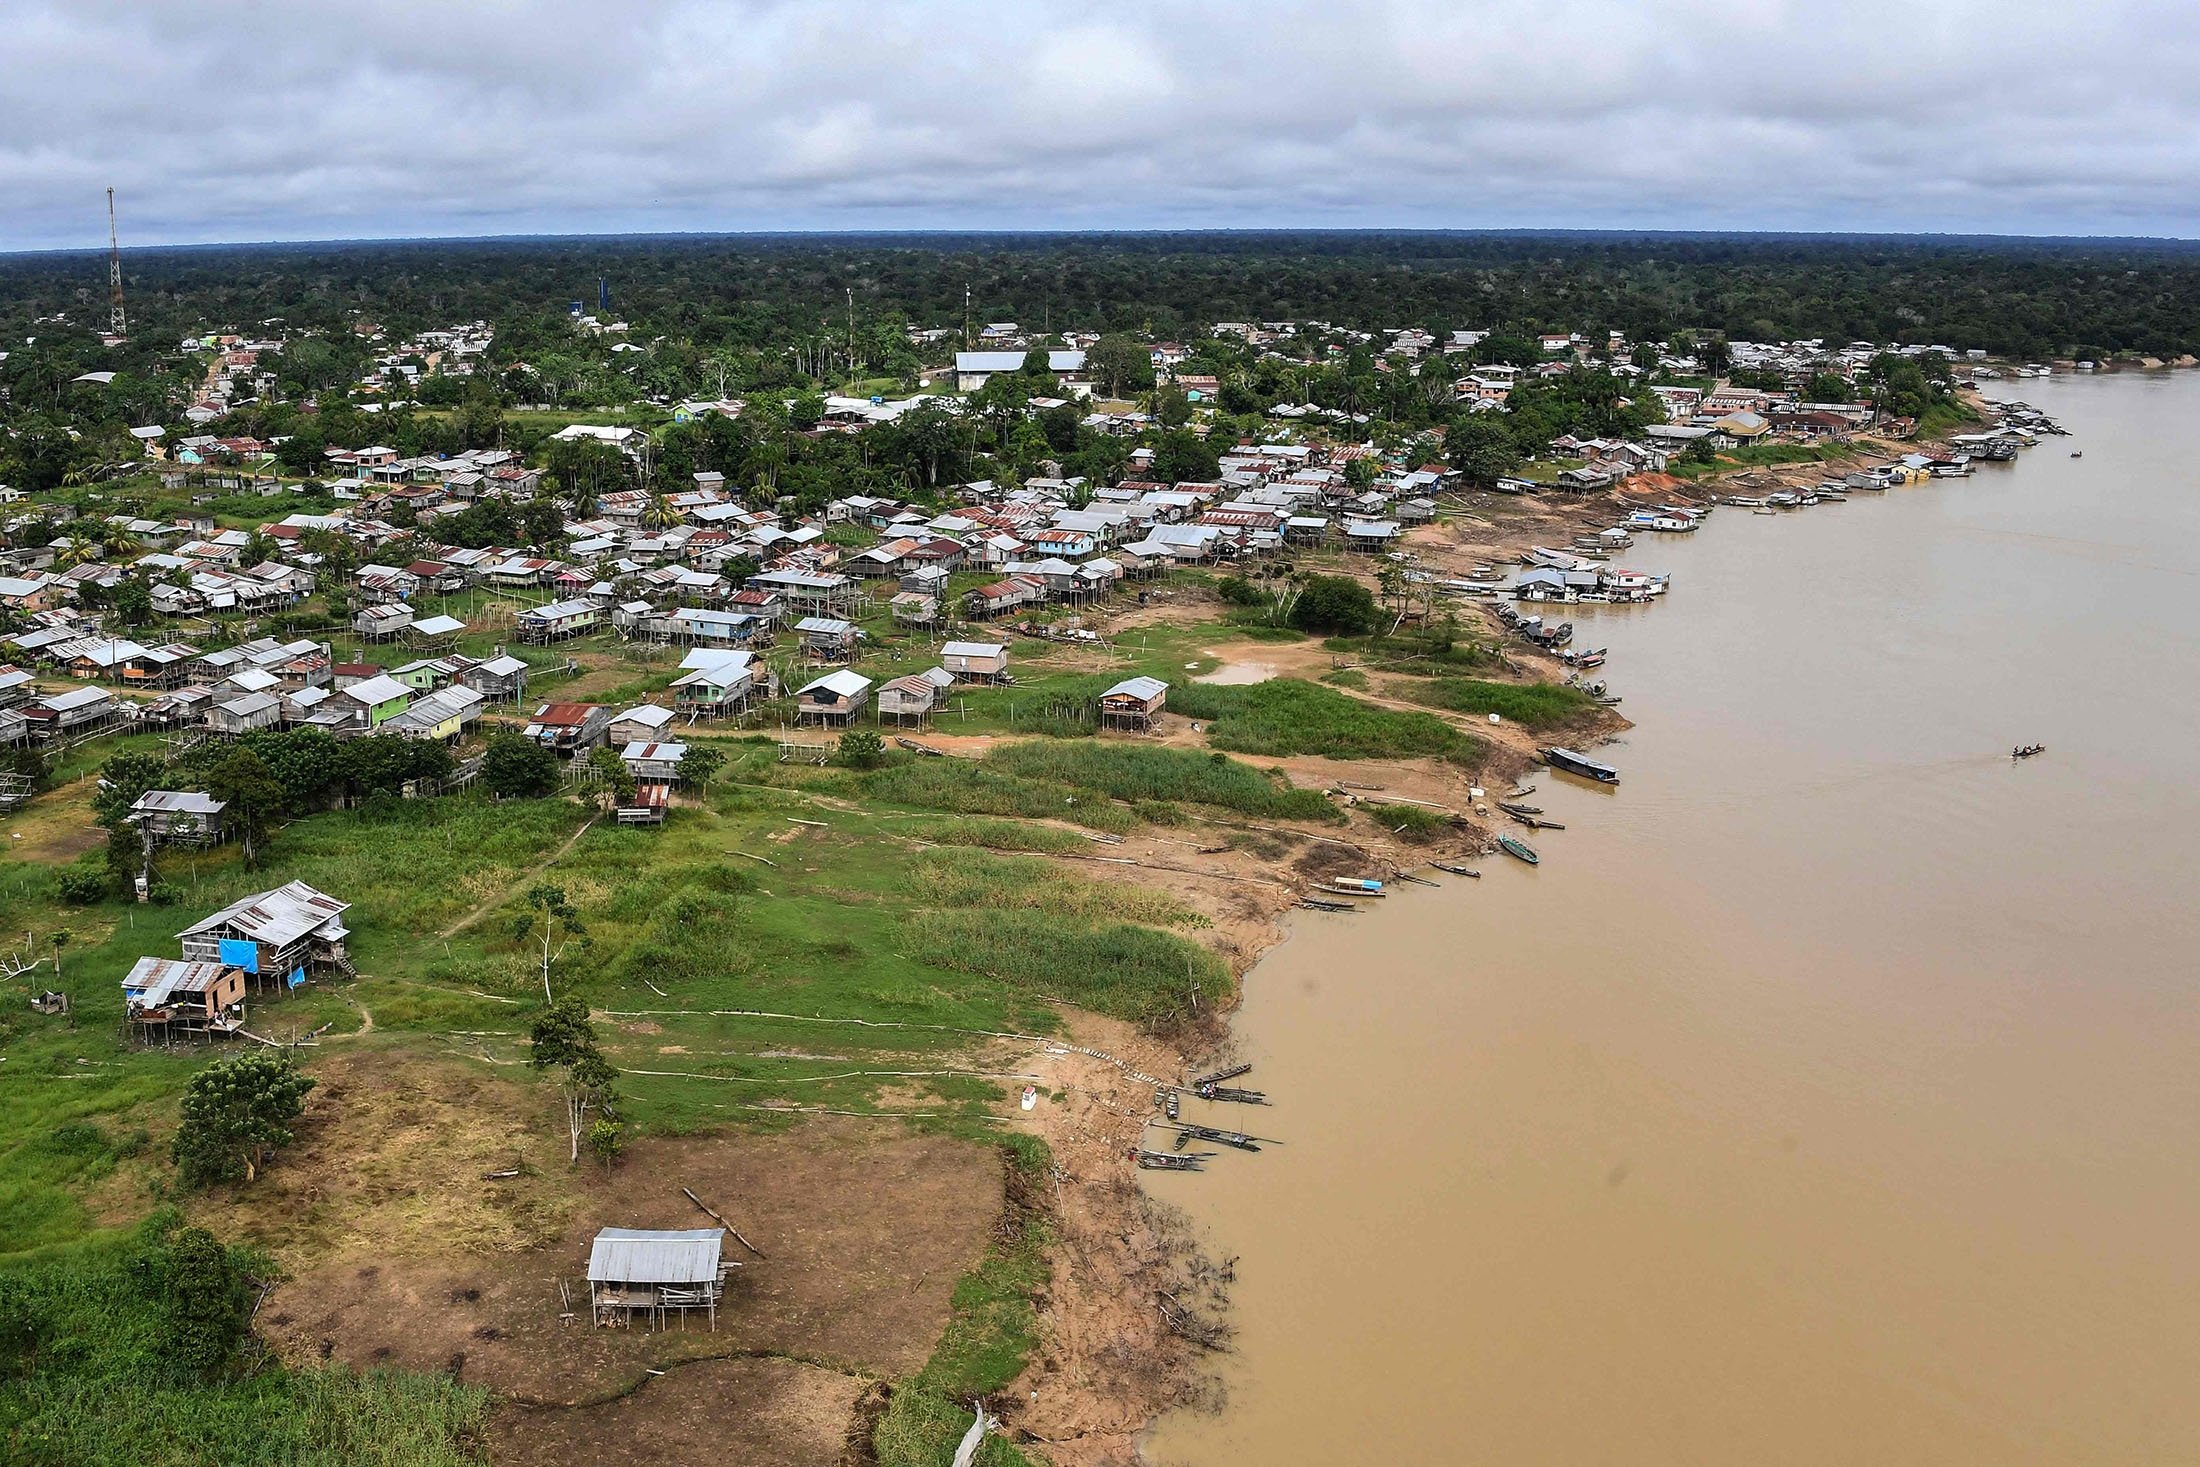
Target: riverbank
{"x": 1077, "y": 1411}
{"x": 1767, "y": 1123}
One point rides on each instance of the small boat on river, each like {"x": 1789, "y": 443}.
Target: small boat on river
{"x": 1574, "y": 762}
{"x": 1517, "y": 810}
{"x": 2027, "y": 751}
{"x": 1468, "y": 871}
{"x": 1173, "y": 1161}
{"x": 1518, "y": 849}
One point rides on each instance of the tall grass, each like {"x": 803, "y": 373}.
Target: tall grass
{"x": 1288, "y": 716}
{"x": 1006, "y": 835}
{"x": 1111, "y": 967}
{"x": 991, "y": 787}
{"x": 965, "y": 878}
{"x": 100, "y": 1389}
{"x": 1142, "y": 772}
{"x": 1532, "y": 705}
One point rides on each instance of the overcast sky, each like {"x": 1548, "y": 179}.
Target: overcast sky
{"x": 239, "y": 120}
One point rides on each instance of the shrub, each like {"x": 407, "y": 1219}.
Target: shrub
{"x": 861, "y": 748}
{"x": 516, "y": 767}
{"x": 84, "y": 883}
{"x": 1238, "y": 591}
{"x": 1335, "y": 605}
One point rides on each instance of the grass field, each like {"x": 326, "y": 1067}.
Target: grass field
{"x": 1532, "y": 705}
{"x": 765, "y": 900}
{"x": 1287, "y": 716}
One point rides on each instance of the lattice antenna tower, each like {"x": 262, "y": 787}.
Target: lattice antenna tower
{"x": 116, "y": 321}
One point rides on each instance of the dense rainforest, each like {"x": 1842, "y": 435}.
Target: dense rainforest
{"x": 2015, "y": 297}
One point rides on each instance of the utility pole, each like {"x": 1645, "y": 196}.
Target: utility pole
{"x": 851, "y": 340}
{"x": 116, "y": 322}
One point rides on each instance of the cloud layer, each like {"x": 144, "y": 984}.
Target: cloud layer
{"x": 234, "y": 119}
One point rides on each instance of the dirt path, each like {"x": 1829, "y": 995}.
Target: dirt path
{"x": 532, "y": 872}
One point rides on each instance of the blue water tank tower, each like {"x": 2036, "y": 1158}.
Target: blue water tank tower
{"x": 603, "y": 295}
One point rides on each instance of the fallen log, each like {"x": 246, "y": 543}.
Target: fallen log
{"x": 720, "y": 1219}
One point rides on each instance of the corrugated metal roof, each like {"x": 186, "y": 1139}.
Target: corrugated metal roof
{"x": 277, "y": 917}
{"x": 641, "y": 1256}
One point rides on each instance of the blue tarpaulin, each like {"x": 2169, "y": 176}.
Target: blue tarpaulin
{"x": 298, "y": 976}
{"x": 245, "y": 955}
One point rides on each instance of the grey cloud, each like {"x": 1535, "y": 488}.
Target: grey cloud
{"x": 239, "y": 120}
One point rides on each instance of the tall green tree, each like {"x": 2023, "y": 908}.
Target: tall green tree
{"x": 234, "y": 1111}
{"x": 564, "y": 1042}
{"x": 254, "y": 796}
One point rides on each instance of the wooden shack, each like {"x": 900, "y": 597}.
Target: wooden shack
{"x": 914, "y": 696}
{"x": 570, "y": 728}
{"x": 834, "y": 699}
{"x": 975, "y": 662}
{"x": 558, "y": 620}
{"x": 1130, "y": 706}
{"x": 650, "y": 1275}
{"x": 640, "y": 724}
{"x": 245, "y": 713}
{"x": 163, "y": 998}
{"x": 178, "y": 817}
{"x": 381, "y": 623}
{"x": 826, "y": 638}
{"x": 276, "y": 936}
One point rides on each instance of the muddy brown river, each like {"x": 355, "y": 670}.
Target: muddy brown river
{"x": 1831, "y": 1093}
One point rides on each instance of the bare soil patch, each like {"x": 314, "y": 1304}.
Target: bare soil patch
{"x": 404, "y": 1252}
{"x": 1108, "y": 1359}
{"x": 755, "y": 1412}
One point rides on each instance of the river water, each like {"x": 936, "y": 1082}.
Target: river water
{"x": 1831, "y": 1093}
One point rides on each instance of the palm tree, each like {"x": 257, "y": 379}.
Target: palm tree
{"x": 659, "y": 513}
{"x": 80, "y": 546}
{"x": 116, "y": 540}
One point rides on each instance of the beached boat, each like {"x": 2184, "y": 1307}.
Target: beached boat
{"x": 1357, "y": 883}
{"x": 1173, "y": 1161}
{"x": 1350, "y": 891}
{"x": 1457, "y": 870}
{"x": 1518, "y": 849}
{"x": 1573, "y": 762}
{"x": 1416, "y": 880}
{"x": 1316, "y": 904}
{"x": 1510, "y": 808}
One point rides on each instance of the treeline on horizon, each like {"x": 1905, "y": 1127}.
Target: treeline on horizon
{"x": 2014, "y": 297}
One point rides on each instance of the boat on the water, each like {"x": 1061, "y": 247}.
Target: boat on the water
{"x": 1514, "y": 809}
{"x": 1518, "y": 849}
{"x": 1348, "y": 891}
{"x": 1316, "y": 904}
{"x": 1574, "y": 762}
{"x": 1457, "y": 870}
{"x": 2026, "y": 751}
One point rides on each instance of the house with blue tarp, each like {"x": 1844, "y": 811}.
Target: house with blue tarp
{"x": 276, "y": 938}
